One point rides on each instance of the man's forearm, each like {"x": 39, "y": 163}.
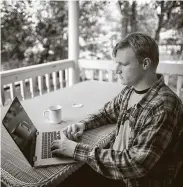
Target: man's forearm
{"x": 107, "y": 115}
{"x": 96, "y": 120}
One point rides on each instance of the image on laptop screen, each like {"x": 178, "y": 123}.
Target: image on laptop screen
{"x": 21, "y": 129}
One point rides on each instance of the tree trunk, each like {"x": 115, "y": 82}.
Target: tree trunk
{"x": 157, "y": 37}
{"x": 133, "y": 20}
{"x": 124, "y": 28}
{"x": 124, "y": 15}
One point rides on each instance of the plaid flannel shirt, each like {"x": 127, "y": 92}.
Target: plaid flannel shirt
{"x": 156, "y": 123}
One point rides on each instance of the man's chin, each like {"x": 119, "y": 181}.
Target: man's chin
{"x": 123, "y": 82}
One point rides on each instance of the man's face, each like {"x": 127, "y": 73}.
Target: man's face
{"x": 128, "y": 68}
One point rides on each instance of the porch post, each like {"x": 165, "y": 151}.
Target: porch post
{"x": 73, "y": 40}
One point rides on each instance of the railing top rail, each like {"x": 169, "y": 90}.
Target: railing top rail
{"x": 165, "y": 67}
{"x": 170, "y": 68}
{"x": 34, "y": 71}
{"x": 60, "y": 63}
{"x": 97, "y": 64}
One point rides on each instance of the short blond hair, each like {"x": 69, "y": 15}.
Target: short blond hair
{"x": 143, "y": 45}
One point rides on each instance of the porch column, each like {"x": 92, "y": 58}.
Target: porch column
{"x": 73, "y": 40}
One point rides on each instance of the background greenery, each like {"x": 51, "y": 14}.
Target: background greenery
{"x": 35, "y": 32}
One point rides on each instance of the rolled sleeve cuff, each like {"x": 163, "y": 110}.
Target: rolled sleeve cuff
{"x": 81, "y": 152}
{"x": 85, "y": 124}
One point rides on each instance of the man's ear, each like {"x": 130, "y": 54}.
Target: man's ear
{"x": 146, "y": 63}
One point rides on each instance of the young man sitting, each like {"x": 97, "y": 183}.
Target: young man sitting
{"x": 149, "y": 116}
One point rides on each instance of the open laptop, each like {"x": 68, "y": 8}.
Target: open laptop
{"x": 35, "y": 146}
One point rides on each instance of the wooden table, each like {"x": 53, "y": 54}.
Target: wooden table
{"x": 16, "y": 171}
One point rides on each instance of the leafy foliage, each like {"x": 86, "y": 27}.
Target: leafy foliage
{"x": 33, "y": 39}
{"x": 15, "y": 32}
{"x": 35, "y": 32}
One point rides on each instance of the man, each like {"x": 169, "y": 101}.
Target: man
{"x": 149, "y": 118}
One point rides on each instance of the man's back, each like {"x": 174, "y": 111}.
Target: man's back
{"x": 169, "y": 102}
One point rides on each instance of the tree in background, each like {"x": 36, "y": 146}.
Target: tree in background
{"x": 163, "y": 20}
{"x": 44, "y": 26}
{"x": 51, "y": 28}
{"x": 16, "y": 33}
{"x": 168, "y": 14}
{"x": 35, "y": 32}
{"x": 128, "y": 12}
{"x": 91, "y": 29}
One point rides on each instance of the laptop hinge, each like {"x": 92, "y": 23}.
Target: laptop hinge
{"x": 34, "y": 158}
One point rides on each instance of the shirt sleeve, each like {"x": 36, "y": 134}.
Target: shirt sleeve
{"x": 107, "y": 115}
{"x": 149, "y": 145}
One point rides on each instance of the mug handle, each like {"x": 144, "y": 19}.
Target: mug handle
{"x": 44, "y": 114}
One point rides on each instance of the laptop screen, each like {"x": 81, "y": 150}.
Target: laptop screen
{"x": 21, "y": 129}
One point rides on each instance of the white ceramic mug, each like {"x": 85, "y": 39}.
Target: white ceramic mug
{"x": 54, "y": 114}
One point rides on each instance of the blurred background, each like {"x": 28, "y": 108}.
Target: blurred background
{"x": 36, "y": 32}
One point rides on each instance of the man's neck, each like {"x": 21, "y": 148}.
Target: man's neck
{"x": 146, "y": 82}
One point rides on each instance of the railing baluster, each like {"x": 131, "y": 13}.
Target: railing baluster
{"x": 61, "y": 78}
{"x": 113, "y": 76}
{"x": 40, "y": 84}
{"x": 12, "y": 91}
{"x": 100, "y": 75}
{"x": 23, "y": 89}
{"x": 92, "y": 74}
{"x": 86, "y": 72}
{"x": 110, "y": 76}
{"x": 2, "y": 95}
{"x": 82, "y": 74}
{"x": 48, "y": 82}
{"x": 71, "y": 77}
{"x": 32, "y": 82}
{"x": 166, "y": 77}
{"x": 179, "y": 85}
{"x": 54, "y": 75}
{"x": 67, "y": 77}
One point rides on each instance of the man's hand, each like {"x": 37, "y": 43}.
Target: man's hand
{"x": 64, "y": 146}
{"x": 74, "y": 131}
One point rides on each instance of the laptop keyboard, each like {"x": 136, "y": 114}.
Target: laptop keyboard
{"x": 47, "y": 139}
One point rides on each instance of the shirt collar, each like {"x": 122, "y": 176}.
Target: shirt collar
{"x": 152, "y": 91}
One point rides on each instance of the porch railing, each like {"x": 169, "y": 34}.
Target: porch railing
{"x": 103, "y": 70}
{"x": 37, "y": 79}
